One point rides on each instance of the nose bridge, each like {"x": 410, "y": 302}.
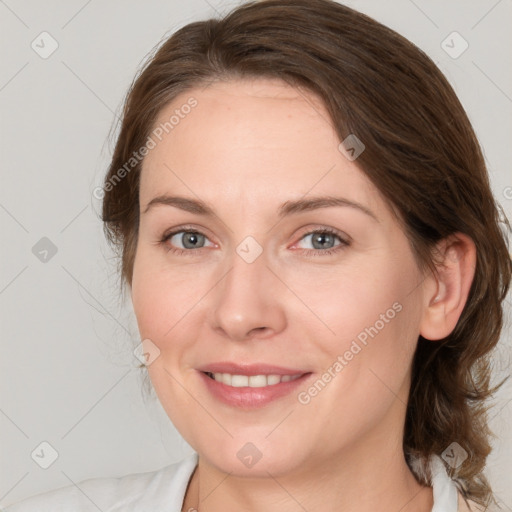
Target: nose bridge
{"x": 248, "y": 299}
{"x": 245, "y": 281}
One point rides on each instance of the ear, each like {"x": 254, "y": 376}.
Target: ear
{"x": 446, "y": 292}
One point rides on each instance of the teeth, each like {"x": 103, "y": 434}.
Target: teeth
{"x": 253, "y": 381}
{"x": 273, "y": 379}
{"x": 238, "y": 381}
{"x": 258, "y": 381}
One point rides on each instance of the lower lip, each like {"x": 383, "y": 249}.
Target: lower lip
{"x": 251, "y": 398}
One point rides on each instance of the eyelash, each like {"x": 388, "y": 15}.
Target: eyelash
{"x": 307, "y": 252}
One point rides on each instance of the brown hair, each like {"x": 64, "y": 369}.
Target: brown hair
{"x": 421, "y": 153}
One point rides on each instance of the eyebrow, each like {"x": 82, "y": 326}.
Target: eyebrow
{"x": 287, "y": 208}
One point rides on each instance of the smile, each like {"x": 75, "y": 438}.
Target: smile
{"x": 252, "y": 381}
{"x": 251, "y": 392}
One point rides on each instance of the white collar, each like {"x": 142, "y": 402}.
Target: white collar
{"x": 443, "y": 487}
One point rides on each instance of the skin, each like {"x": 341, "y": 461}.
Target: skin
{"x": 248, "y": 147}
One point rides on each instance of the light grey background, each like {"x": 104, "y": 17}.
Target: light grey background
{"x": 68, "y": 374}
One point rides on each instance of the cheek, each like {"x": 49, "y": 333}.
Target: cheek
{"x": 161, "y": 296}
{"x": 152, "y": 307}
{"x": 345, "y": 302}
{"x": 371, "y": 322}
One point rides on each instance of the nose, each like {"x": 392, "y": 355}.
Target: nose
{"x": 249, "y": 301}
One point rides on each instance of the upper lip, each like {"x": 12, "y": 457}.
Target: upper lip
{"x": 249, "y": 369}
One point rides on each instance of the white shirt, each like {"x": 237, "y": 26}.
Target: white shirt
{"x": 163, "y": 490}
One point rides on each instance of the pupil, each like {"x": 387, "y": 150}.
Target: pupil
{"x": 321, "y": 238}
{"x": 190, "y": 240}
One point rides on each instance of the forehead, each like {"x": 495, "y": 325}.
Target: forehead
{"x": 249, "y": 139}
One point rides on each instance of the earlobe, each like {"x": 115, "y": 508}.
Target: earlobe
{"x": 447, "y": 291}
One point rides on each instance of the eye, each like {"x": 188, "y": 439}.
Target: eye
{"x": 184, "y": 240}
{"x": 324, "y": 241}
{"x": 187, "y": 241}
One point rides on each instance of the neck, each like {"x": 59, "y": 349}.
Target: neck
{"x": 368, "y": 478}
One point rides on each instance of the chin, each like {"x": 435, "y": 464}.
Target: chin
{"x": 256, "y": 458}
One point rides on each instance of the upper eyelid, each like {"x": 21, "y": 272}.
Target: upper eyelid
{"x": 308, "y": 231}
{"x": 332, "y": 231}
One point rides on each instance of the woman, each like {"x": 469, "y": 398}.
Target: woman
{"x": 316, "y": 266}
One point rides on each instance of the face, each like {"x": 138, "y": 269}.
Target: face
{"x": 266, "y": 277}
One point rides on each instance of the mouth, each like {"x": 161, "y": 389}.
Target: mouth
{"x": 252, "y": 381}
{"x": 249, "y": 392}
